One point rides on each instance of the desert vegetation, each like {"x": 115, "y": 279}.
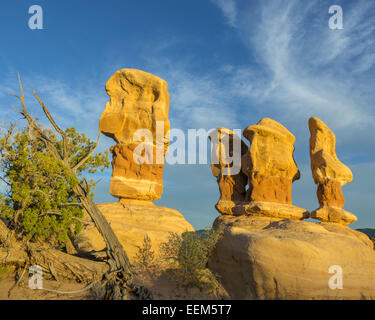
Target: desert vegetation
{"x": 182, "y": 258}
{"x": 39, "y": 202}
{"x": 46, "y": 194}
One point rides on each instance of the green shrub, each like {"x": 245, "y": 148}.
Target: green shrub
{"x": 188, "y": 256}
{"x": 146, "y": 264}
{"x": 39, "y": 202}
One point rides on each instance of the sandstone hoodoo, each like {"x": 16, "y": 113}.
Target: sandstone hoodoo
{"x": 329, "y": 174}
{"x": 271, "y": 170}
{"x": 265, "y": 252}
{"x": 138, "y": 101}
{"x": 230, "y": 179}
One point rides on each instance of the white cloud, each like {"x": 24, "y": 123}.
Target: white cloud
{"x": 305, "y": 67}
{"x": 229, "y": 10}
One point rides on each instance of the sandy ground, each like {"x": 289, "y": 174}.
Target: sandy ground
{"x": 23, "y": 292}
{"x": 163, "y": 289}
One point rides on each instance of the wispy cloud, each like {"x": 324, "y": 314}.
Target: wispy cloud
{"x": 311, "y": 69}
{"x": 229, "y": 10}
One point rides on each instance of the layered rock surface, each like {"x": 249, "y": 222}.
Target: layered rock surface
{"x": 268, "y": 258}
{"x": 269, "y": 163}
{"x": 271, "y": 169}
{"x": 138, "y": 101}
{"x": 227, "y": 169}
{"x": 329, "y": 174}
{"x": 131, "y": 222}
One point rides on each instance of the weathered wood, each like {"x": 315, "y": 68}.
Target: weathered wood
{"x": 114, "y": 248}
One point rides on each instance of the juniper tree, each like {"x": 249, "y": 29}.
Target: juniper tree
{"x": 39, "y": 201}
{"x": 64, "y": 156}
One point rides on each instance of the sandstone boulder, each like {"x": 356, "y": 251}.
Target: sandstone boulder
{"x": 230, "y": 179}
{"x": 271, "y": 209}
{"x": 137, "y": 119}
{"x": 267, "y": 258}
{"x": 132, "y": 221}
{"x": 271, "y": 169}
{"x": 329, "y": 174}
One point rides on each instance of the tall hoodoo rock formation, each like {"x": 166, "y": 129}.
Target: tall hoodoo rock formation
{"x": 231, "y": 180}
{"x": 271, "y": 169}
{"x": 329, "y": 174}
{"x": 138, "y": 101}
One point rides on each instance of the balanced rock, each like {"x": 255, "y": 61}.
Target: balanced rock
{"x": 131, "y": 222}
{"x": 329, "y": 174}
{"x": 137, "y": 119}
{"x": 271, "y": 169}
{"x": 226, "y": 167}
{"x": 268, "y": 258}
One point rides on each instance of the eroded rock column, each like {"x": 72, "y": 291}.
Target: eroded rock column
{"x": 329, "y": 174}
{"x": 230, "y": 179}
{"x": 271, "y": 169}
{"x": 137, "y": 119}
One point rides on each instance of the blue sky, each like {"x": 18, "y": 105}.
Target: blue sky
{"x": 227, "y": 63}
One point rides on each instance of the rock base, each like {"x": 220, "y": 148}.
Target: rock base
{"x": 141, "y": 189}
{"x": 225, "y": 207}
{"x": 266, "y": 258}
{"x": 271, "y": 209}
{"x": 333, "y": 215}
{"x": 132, "y": 221}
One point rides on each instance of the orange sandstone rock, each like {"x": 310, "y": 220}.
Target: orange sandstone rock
{"x": 131, "y": 180}
{"x": 138, "y": 101}
{"x": 131, "y": 221}
{"x": 270, "y": 165}
{"x": 329, "y": 174}
{"x": 271, "y": 169}
{"x": 231, "y": 180}
{"x": 262, "y": 258}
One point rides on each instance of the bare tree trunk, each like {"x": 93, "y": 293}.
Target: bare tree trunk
{"x": 120, "y": 277}
{"x": 114, "y": 248}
